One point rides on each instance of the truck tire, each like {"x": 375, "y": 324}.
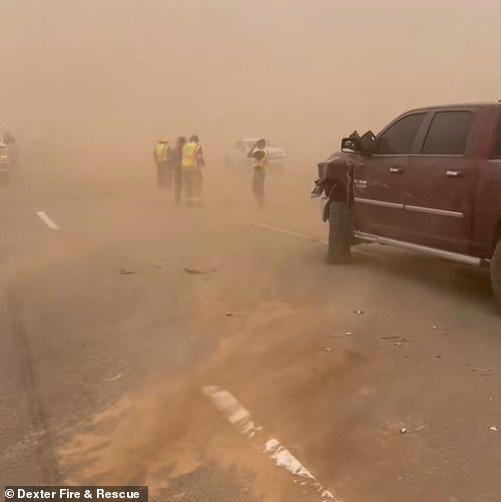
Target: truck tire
{"x": 340, "y": 233}
{"x": 496, "y": 273}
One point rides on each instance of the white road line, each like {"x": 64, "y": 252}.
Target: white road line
{"x": 301, "y": 236}
{"x": 285, "y": 231}
{"x": 47, "y": 220}
{"x": 240, "y": 417}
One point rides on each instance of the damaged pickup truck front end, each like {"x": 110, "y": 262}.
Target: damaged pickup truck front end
{"x": 335, "y": 186}
{"x": 333, "y": 183}
{"x": 335, "y": 174}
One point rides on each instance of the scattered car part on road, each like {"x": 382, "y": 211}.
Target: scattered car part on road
{"x": 194, "y": 271}
{"x": 482, "y": 371}
{"x": 127, "y": 272}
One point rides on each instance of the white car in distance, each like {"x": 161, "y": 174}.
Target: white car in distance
{"x": 237, "y": 154}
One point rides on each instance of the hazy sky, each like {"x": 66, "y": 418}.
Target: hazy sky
{"x": 303, "y": 72}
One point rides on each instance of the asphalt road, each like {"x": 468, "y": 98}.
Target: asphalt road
{"x": 175, "y": 347}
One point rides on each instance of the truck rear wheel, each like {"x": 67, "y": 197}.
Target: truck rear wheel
{"x": 496, "y": 273}
{"x": 340, "y": 233}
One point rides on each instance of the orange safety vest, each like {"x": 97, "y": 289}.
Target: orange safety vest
{"x": 190, "y": 152}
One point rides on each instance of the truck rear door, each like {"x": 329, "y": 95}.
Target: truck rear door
{"x": 379, "y": 179}
{"x": 440, "y": 182}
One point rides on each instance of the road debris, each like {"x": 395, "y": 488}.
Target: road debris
{"x": 482, "y": 371}
{"x": 358, "y": 312}
{"x": 341, "y": 335}
{"x": 115, "y": 378}
{"x": 493, "y": 428}
{"x": 438, "y": 330}
{"x": 124, "y": 271}
{"x": 401, "y": 429}
{"x": 232, "y": 314}
{"x": 194, "y": 271}
{"x": 396, "y": 339}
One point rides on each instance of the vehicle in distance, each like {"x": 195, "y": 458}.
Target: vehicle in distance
{"x": 237, "y": 155}
{"x": 4, "y": 163}
{"x": 12, "y": 149}
{"x": 430, "y": 181}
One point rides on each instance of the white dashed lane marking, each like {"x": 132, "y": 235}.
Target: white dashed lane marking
{"x": 43, "y": 216}
{"x": 240, "y": 417}
{"x": 286, "y": 231}
{"x": 299, "y": 235}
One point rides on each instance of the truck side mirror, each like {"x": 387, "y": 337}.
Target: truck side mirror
{"x": 350, "y": 145}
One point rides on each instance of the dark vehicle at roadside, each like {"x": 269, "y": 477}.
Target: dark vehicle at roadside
{"x": 430, "y": 182}
{"x": 4, "y": 163}
{"x": 12, "y": 149}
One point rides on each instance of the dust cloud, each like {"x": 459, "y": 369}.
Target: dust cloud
{"x": 96, "y": 83}
{"x": 171, "y": 430}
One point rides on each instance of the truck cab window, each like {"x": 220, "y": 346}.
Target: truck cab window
{"x": 399, "y": 137}
{"x": 448, "y": 133}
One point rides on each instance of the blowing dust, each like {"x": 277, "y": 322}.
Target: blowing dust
{"x": 173, "y": 429}
{"x": 92, "y": 85}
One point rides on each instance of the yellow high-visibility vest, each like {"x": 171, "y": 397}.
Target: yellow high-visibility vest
{"x": 162, "y": 152}
{"x": 190, "y": 152}
{"x": 263, "y": 163}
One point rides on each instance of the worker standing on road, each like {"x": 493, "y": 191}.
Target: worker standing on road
{"x": 191, "y": 164}
{"x": 161, "y": 156}
{"x": 177, "y": 159}
{"x": 12, "y": 150}
{"x": 260, "y": 156}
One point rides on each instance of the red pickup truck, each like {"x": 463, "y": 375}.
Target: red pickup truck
{"x": 430, "y": 181}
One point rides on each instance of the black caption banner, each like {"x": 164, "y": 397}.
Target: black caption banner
{"x": 76, "y": 493}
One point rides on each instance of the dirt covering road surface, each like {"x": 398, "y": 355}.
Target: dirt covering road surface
{"x": 379, "y": 381}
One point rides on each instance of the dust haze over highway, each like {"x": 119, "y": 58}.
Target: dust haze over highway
{"x": 381, "y": 379}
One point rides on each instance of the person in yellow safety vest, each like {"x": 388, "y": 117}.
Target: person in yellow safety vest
{"x": 260, "y": 155}
{"x": 161, "y": 155}
{"x": 191, "y": 164}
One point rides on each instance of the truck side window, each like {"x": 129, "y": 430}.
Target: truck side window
{"x": 399, "y": 137}
{"x": 497, "y": 143}
{"x": 448, "y": 133}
